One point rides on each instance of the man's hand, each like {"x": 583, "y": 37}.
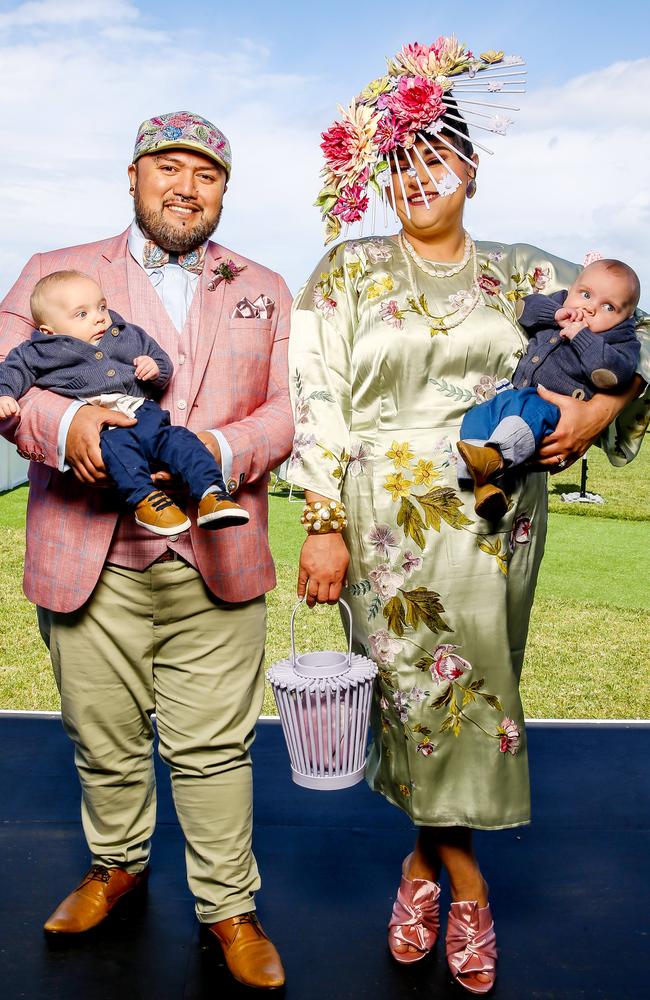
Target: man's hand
{"x": 82, "y": 450}
{"x": 146, "y": 368}
{"x": 8, "y": 407}
{"x": 211, "y": 443}
{"x": 323, "y": 564}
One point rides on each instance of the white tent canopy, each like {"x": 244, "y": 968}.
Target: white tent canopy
{"x": 13, "y": 468}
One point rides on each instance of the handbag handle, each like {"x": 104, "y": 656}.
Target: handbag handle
{"x": 316, "y": 664}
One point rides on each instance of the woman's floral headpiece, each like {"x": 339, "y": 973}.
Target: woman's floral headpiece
{"x": 425, "y": 90}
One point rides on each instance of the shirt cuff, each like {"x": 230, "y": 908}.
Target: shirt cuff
{"x": 64, "y": 427}
{"x": 226, "y": 454}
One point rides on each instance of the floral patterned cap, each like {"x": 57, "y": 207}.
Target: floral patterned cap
{"x": 426, "y": 88}
{"x": 183, "y": 130}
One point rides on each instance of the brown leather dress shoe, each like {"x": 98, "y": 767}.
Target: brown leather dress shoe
{"x": 251, "y": 958}
{"x": 93, "y": 899}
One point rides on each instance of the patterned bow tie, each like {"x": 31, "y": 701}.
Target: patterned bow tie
{"x": 155, "y": 256}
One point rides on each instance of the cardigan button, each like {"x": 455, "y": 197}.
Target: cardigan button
{"x": 552, "y": 340}
{"x": 524, "y": 381}
{"x": 114, "y": 331}
{"x": 99, "y": 355}
{"x": 535, "y": 359}
{"x": 110, "y": 372}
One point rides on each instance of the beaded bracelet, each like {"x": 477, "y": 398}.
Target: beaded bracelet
{"x": 321, "y": 518}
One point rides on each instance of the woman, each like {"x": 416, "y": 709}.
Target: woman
{"x": 393, "y": 339}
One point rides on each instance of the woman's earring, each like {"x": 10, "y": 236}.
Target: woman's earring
{"x": 471, "y": 188}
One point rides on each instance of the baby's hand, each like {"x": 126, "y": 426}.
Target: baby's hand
{"x": 564, "y": 316}
{"x": 145, "y": 368}
{"x": 569, "y": 331}
{"x": 8, "y": 407}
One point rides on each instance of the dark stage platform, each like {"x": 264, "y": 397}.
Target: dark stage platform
{"x": 570, "y": 893}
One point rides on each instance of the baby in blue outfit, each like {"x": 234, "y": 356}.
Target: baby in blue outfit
{"x": 581, "y": 342}
{"x": 83, "y": 350}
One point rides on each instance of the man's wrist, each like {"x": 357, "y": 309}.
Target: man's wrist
{"x": 64, "y": 427}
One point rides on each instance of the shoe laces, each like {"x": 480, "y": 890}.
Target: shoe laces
{"x": 248, "y": 918}
{"x": 98, "y": 873}
{"x": 159, "y": 500}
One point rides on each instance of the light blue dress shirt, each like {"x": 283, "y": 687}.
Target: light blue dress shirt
{"x": 175, "y": 287}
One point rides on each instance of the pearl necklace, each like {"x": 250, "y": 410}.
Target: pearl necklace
{"x": 425, "y": 265}
{"x": 445, "y": 323}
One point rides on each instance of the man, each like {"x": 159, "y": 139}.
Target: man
{"x": 138, "y": 622}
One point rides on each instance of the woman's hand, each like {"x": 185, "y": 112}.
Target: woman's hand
{"x": 581, "y": 423}
{"x": 323, "y": 564}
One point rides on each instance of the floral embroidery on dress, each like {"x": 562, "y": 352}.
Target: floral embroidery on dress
{"x": 383, "y": 539}
{"x": 392, "y": 314}
{"x": 380, "y": 286}
{"x": 509, "y": 736}
{"x": 520, "y": 533}
{"x": 486, "y": 388}
{"x": 303, "y": 412}
{"x": 359, "y": 459}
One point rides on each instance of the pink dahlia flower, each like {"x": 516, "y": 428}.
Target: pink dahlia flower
{"x": 417, "y": 102}
{"x": 390, "y": 133}
{"x": 352, "y": 203}
{"x": 509, "y": 736}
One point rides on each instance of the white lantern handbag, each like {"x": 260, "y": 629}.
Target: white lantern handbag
{"x": 323, "y": 700}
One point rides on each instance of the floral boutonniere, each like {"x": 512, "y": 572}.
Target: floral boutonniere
{"x": 226, "y": 271}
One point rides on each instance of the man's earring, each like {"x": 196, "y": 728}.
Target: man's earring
{"x": 131, "y": 190}
{"x": 471, "y": 188}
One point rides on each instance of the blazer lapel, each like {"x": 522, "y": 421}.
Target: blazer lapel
{"x": 112, "y": 275}
{"x": 210, "y": 316}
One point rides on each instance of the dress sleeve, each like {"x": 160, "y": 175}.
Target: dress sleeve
{"x": 622, "y": 440}
{"x": 320, "y": 370}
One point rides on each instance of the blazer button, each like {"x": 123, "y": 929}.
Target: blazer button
{"x": 110, "y": 372}
{"x": 231, "y": 485}
{"x": 40, "y": 457}
{"x": 99, "y": 355}
{"x": 181, "y": 404}
{"x": 535, "y": 359}
{"x": 114, "y": 331}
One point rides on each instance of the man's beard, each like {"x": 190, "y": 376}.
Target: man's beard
{"x": 168, "y": 237}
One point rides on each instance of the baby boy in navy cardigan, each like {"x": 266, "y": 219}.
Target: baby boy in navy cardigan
{"x": 582, "y": 341}
{"x": 83, "y": 350}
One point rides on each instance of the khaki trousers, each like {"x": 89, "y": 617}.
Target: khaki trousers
{"x": 158, "y": 641}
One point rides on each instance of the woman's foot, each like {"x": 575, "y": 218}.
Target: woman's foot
{"x": 471, "y": 946}
{"x": 415, "y": 920}
{"x": 469, "y": 889}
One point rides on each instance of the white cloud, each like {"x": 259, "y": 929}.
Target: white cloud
{"x": 40, "y": 13}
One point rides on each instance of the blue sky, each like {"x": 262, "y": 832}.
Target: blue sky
{"x": 572, "y": 175}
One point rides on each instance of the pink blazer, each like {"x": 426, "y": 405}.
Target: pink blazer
{"x": 239, "y": 385}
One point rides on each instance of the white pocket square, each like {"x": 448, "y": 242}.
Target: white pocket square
{"x": 261, "y": 308}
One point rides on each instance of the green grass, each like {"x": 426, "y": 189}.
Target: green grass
{"x": 588, "y": 648}
{"x": 626, "y": 491}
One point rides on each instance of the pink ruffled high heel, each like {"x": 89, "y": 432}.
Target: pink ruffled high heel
{"x": 415, "y": 919}
{"x": 471, "y": 945}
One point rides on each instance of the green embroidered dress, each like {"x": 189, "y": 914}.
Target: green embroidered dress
{"x": 441, "y": 599}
